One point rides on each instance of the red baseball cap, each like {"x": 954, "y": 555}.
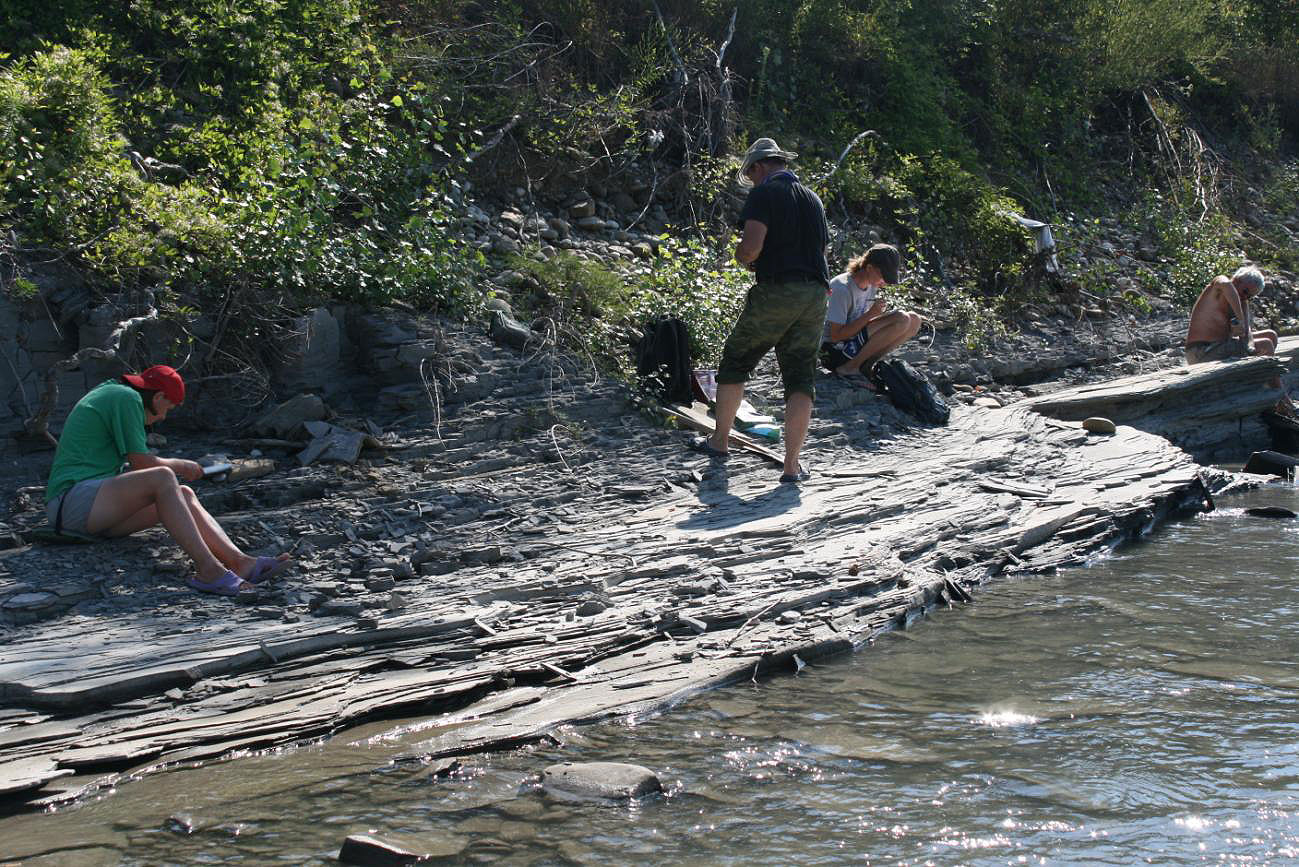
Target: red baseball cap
{"x": 161, "y": 378}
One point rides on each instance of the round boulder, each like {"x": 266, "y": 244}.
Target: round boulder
{"x": 600, "y": 780}
{"x": 1098, "y": 425}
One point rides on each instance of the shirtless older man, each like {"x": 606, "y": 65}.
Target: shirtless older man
{"x": 1220, "y": 325}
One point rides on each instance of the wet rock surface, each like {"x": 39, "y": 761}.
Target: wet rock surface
{"x": 516, "y": 546}
{"x": 600, "y": 780}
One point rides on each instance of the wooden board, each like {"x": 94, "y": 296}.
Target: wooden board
{"x": 701, "y": 421}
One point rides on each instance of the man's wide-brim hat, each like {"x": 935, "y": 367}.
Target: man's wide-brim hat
{"x": 762, "y": 149}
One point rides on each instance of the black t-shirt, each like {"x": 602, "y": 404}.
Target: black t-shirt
{"x": 796, "y": 232}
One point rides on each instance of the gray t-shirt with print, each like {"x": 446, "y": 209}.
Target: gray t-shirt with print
{"x": 847, "y": 302}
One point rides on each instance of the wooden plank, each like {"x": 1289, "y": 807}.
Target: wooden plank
{"x": 705, "y": 424}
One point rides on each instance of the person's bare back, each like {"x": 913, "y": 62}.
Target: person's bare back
{"x": 1216, "y": 311}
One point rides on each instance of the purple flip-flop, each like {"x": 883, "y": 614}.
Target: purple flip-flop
{"x": 267, "y": 568}
{"x": 228, "y": 584}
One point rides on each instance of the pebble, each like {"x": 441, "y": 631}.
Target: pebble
{"x": 1098, "y": 425}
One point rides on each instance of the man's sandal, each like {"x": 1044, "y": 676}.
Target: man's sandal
{"x": 704, "y": 447}
{"x": 794, "y": 478}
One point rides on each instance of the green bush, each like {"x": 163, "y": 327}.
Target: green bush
{"x": 343, "y": 199}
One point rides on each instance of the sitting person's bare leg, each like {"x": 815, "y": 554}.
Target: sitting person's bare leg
{"x": 1265, "y": 342}
{"x": 909, "y": 328}
{"x": 887, "y": 333}
{"x": 214, "y": 536}
{"x": 141, "y": 498}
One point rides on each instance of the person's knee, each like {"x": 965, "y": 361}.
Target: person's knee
{"x": 188, "y": 493}
{"x": 162, "y": 478}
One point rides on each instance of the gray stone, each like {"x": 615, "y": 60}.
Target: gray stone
{"x": 287, "y": 419}
{"x": 414, "y": 354}
{"x": 380, "y": 583}
{"x": 584, "y": 209}
{"x": 23, "y": 601}
{"x": 1098, "y": 425}
{"x": 313, "y": 354}
{"x": 504, "y": 246}
{"x": 600, "y": 780}
{"x": 372, "y": 851}
{"x": 509, "y": 332}
{"x": 339, "y": 608}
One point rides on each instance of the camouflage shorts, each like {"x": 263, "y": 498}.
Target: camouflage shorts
{"x": 788, "y": 317}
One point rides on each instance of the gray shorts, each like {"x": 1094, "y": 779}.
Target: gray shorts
{"x": 76, "y": 501}
{"x": 1200, "y": 351}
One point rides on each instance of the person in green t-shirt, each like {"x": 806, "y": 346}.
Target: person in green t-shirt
{"x": 88, "y": 493}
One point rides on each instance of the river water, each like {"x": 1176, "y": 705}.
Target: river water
{"x": 1144, "y": 709}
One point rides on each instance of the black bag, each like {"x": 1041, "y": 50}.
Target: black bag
{"x": 910, "y": 391}
{"x": 663, "y": 358}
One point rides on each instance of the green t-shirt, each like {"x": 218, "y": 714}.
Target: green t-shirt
{"x": 103, "y": 428}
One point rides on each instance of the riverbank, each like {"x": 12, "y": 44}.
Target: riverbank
{"x": 543, "y": 555}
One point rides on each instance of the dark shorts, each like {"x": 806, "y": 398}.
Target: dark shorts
{"x": 787, "y": 317}
{"x": 1200, "y": 351}
{"x": 832, "y": 357}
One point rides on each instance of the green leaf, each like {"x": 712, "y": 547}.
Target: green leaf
{"x": 396, "y": 100}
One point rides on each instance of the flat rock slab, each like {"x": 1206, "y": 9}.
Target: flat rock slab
{"x": 600, "y": 780}
{"x": 526, "y": 551}
{"x": 27, "y": 775}
{"x": 1198, "y": 407}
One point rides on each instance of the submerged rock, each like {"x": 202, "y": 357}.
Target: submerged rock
{"x": 371, "y": 851}
{"x": 607, "y": 780}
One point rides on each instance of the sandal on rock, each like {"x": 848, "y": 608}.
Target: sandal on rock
{"x": 267, "y": 568}
{"x": 704, "y": 447}
{"x": 228, "y": 584}
{"x": 794, "y": 478}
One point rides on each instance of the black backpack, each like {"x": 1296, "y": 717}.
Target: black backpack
{"x": 663, "y": 359}
{"x": 910, "y": 391}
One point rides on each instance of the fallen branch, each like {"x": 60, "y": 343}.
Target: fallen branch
{"x": 496, "y": 139}
{"x": 683, "y": 77}
{"x": 870, "y": 133}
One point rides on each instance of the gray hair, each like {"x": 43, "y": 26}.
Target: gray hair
{"x": 1248, "y": 275}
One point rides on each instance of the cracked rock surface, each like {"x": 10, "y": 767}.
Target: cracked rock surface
{"x": 532, "y": 551}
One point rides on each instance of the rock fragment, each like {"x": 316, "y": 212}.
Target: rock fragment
{"x": 600, "y": 780}
{"x": 372, "y": 851}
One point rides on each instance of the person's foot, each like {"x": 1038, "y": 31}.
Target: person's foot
{"x": 259, "y": 569}
{"x": 704, "y": 446}
{"x": 800, "y": 475}
{"x": 224, "y": 583}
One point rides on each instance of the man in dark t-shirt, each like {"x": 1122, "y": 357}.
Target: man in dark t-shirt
{"x": 783, "y": 241}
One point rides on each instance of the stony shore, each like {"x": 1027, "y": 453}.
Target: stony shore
{"x": 537, "y": 552}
